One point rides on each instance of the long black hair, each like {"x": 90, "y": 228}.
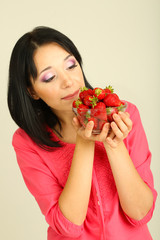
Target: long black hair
{"x": 29, "y": 114}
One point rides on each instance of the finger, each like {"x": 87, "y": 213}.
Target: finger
{"x": 114, "y": 137}
{"x": 127, "y": 113}
{"x": 120, "y": 123}
{"x": 117, "y": 131}
{"x": 104, "y": 132}
{"x": 126, "y": 119}
{"x": 111, "y": 133}
{"x": 111, "y": 142}
{"x": 76, "y": 123}
{"x": 88, "y": 129}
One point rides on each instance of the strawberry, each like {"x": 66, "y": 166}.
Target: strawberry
{"x": 89, "y": 117}
{"x": 76, "y": 103}
{"x": 95, "y": 120}
{"x": 101, "y": 124}
{"x": 122, "y": 104}
{"x": 122, "y": 107}
{"x": 112, "y": 100}
{"x": 99, "y": 93}
{"x": 84, "y": 92}
{"x": 108, "y": 89}
{"x": 90, "y": 91}
{"x": 90, "y": 101}
{"x": 82, "y": 109}
{"x": 97, "y": 105}
{"x": 82, "y": 119}
{"x": 100, "y": 105}
{"x": 99, "y": 111}
{"x": 110, "y": 112}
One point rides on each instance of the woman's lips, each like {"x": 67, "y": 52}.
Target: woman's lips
{"x": 70, "y": 96}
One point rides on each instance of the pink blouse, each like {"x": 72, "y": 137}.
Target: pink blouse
{"x": 45, "y": 174}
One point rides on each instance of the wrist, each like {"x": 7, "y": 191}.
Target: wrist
{"x": 118, "y": 148}
{"x": 82, "y": 140}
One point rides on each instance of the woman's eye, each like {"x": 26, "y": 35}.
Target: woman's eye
{"x": 71, "y": 63}
{"x": 48, "y": 78}
{"x": 72, "y": 66}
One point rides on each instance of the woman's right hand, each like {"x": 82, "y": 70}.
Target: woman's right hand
{"x": 86, "y": 133}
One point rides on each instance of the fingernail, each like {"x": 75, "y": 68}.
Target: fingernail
{"x": 120, "y": 113}
{"x": 90, "y": 123}
{"x": 115, "y": 116}
{"x": 74, "y": 119}
{"x": 106, "y": 125}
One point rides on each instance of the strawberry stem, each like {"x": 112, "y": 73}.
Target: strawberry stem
{"x": 98, "y": 91}
{"x": 110, "y": 88}
{"x": 84, "y": 89}
{"x": 78, "y": 102}
{"x": 94, "y": 101}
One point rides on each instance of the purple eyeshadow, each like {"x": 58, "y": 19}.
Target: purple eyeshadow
{"x": 46, "y": 77}
{"x": 70, "y": 63}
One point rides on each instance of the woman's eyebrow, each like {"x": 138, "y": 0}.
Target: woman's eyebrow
{"x": 49, "y": 67}
{"x": 67, "y": 57}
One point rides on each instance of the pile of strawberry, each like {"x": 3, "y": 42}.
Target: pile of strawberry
{"x": 97, "y": 105}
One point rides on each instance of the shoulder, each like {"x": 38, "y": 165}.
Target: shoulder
{"x": 22, "y": 140}
{"x": 133, "y": 112}
{"x": 131, "y": 108}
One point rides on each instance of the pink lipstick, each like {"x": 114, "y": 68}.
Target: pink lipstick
{"x": 70, "y": 96}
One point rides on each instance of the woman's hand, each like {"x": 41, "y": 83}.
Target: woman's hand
{"x": 111, "y": 134}
{"x": 120, "y": 129}
{"x": 86, "y": 133}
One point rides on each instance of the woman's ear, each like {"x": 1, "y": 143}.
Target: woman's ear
{"x": 32, "y": 93}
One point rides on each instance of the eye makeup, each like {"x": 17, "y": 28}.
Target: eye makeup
{"x": 47, "y": 77}
{"x": 71, "y": 63}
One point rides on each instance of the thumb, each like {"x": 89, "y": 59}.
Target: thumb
{"x": 76, "y": 123}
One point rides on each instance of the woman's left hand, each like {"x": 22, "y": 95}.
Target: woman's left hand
{"x": 120, "y": 129}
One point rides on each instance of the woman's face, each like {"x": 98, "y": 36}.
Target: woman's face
{"x": 59, "y": 77}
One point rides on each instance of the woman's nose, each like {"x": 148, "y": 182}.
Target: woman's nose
{"x": 66, "y": 80}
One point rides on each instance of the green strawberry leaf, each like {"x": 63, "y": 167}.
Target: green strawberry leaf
{"x": 108, "y": 110}
{"x": 84, "y": 89}
{"x": 94, "y": 101}
{"x": 121, "y": 108}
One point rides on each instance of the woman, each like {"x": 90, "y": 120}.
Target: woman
{"x": 87, "y": 186}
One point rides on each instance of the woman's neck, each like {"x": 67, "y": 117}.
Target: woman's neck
{"x": 67, "y": 130}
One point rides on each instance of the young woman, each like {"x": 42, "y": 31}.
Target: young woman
{"x": 87, "y": 186}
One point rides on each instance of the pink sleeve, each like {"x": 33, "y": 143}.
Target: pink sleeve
{"x": 138, "y": 148}
{"x": 44, "y": 186}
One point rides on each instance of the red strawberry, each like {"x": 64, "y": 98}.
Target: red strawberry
{"x": 122, "y": 102}
{"x": 100, "y": 105}
{"x": 82, "y": 119}
{"x": 91, "y": 118}
{"x": 112, "y": 100}
{"x": 108, "y": 89}
{"x": 90, "y": 91}
{"x": 101, "y": 124}
{"x": 95, "y": 120}
{"x": 90, "y": 101}
{"x": 76, "y": 103}
{"x": 84, "y": 92}
{"x": 110, "y": 112}
{"x": 82, "y": 109}
{"x": 99, "y": 93}
{"x": 99, "y": 111}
